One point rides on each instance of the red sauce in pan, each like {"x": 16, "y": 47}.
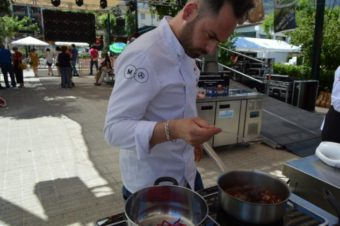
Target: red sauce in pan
{"x": 254, "y": 194}
{"x": 167, "y": 223}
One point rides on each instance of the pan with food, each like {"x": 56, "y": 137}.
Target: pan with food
{"x": 250, "y": 196}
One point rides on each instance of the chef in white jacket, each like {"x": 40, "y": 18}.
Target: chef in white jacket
{"x": 152, "y": 115}
{"x": 330, "y": 130}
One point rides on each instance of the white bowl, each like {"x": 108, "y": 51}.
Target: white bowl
{"x": 329, "y": 153}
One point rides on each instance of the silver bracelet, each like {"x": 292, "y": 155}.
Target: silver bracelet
{"x": 167, "y": 131}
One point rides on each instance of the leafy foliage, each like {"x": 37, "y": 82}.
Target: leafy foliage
{"x": 9, "y": 26}
{"x": 4, "y": 7}
{"x": 103, "y": 21}
{"x": 167, "y": 8}
{"x": 304, "y": 35}
{"x": 130, "y": 23}
{"x": 330, "y": 50}
{"x": 268, "y": 25}
{"x": 224, "y": 56}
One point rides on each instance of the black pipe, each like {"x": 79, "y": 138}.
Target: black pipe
{"x": 318, "y": 34}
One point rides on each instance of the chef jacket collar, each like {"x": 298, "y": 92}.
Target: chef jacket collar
{"x": 171, "y": 39}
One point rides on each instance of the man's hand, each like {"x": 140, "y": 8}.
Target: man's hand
{"x": 194, "y": 131}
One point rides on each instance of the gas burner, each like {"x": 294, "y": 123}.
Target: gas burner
{"x": 295, "y": 215}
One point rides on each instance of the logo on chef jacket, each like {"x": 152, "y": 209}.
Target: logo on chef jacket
{"x": 139, "y": 74}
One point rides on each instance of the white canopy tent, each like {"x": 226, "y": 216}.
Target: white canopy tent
{"x": 77, "y": 44}
{"x": 29, "y": 41}
{"x": 266, "y": 48}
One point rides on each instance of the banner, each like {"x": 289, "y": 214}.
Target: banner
{"x": 284, "y": 15}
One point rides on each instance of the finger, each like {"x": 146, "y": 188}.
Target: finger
{"x": 203, "y": 124}
{"x": 198, "y": 153}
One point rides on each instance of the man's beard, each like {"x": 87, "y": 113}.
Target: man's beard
{"x": 186, "y": 40}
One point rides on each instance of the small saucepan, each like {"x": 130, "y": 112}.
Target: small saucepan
{"x": 250, "y": 196}
{"x": 165, "y": 205}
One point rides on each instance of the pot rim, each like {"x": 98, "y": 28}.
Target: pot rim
{"x": 172, "y": 186}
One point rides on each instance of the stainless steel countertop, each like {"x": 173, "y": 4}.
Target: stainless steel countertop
{"x": 234, "y": 94}
{"x": 315, "y": 168}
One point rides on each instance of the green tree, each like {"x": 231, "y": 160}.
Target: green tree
{"x": 10, "y": 26}
{"x": 224, "y": 56}
{"x": 130, "y": 23}
{"x": 104, "y": 22}
{"x": 268, "y": 25}
{"x": 167, "y": 8}
{"x": 304, "y": 35}
{"x": 4, "y": 7}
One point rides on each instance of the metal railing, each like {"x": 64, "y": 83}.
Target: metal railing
{"x": 264, "y": 63}
{"x": 247, "y": 57}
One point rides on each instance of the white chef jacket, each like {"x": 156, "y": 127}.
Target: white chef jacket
{"x": 335, "y": 100}
{"x": 155, "y": 81}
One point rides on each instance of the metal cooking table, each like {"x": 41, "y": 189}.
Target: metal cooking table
{"x": 309, "y": 176}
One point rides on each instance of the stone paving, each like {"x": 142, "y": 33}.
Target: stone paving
{"x": 57, "y": 169}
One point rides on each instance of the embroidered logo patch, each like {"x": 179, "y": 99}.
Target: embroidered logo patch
{"x": 130, "y": 71}
{"x": 139, "y": 74}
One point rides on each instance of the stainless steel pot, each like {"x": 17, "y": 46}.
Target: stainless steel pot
{"x": 252, "y": 212}
{"x": 256, "y": 213}
{"x": 154, "y": 205}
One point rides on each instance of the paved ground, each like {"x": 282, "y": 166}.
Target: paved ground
{"x": 56, "y": 168}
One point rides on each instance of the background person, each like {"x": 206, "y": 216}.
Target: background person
{"x": 104, "y": 69}
{"x": 152, "y": 115}
{"x": 6, "y": 66}
{"x": 93, "y": 58}
{"x": 330, "y": 130}
{"x": 49, "y": 57}
{"x": 34, "y": 61}
{"x": 74, "y": 59}
{"x": 64, "y": 64}
{"x": 57, "y": 51}
{"x": 18, "y": 71}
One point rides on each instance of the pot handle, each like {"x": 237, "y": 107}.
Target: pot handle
{"x": 328, "y": 195}
{"x": 212, "y": 220}
{"x": 166, "y": 179}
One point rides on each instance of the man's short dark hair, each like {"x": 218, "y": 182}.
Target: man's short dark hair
{"x": 240, "y": 7}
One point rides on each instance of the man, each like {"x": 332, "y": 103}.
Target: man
{"x": 18, "y": 70}
{"x": 74, "y": 58}
{"x": 330, "y": 130}
{"x": 94, "y": 58}
{"x": 6, "y": 65}
{"x": 152, "y": 114}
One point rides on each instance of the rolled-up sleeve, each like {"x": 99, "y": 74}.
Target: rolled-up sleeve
{"x": 126, "y": 125}
{"x": 143, "y": 134}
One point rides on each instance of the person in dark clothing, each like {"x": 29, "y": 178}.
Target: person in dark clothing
{"x": 330, "y": 130}
{"x": 18, "y": 71}
{"x": 6, "y": 66}
{"x": 74, "y": 59}
{"x": 64, "y": 64}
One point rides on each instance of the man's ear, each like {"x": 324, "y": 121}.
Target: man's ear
{"x": 190, "y": 11}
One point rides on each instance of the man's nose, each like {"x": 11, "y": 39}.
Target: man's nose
{"x": 211, "y": 47}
